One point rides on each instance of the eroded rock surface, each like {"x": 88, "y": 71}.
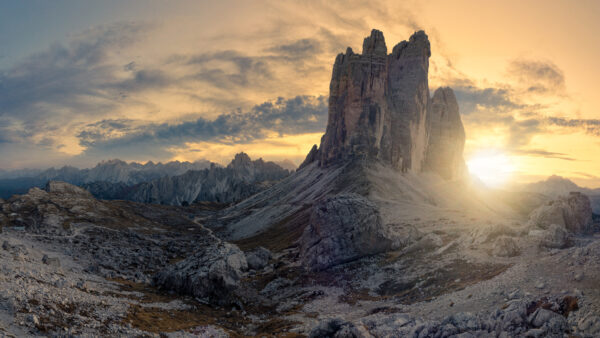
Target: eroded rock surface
{"x": 379, "y": 108}
{"x": 573, "y": 212}
{"x": 343, "y": 228}
{"x": 212, "y": 272}
{"x": 446, "y": 136}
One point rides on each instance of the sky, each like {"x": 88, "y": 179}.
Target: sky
{"x": 85, "y": 81}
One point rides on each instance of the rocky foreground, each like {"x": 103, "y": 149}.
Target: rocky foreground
{"x": 73, "y": 265}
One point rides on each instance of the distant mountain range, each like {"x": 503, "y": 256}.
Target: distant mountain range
{"x": 112, "y": 171}
{"x": 173, "y": 183}
{"x": 556, "y": 186}
{"x": 240, "y": 179}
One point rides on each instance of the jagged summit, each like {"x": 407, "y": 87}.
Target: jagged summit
{"x": 380, "y": 109}
{"x": 375, "y": 44}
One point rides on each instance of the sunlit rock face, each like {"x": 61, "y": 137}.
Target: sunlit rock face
{"x": 380, "y": 108}
{"x": 446, "y": 136}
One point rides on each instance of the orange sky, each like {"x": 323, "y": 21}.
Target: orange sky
{"x": 524, "y": 72}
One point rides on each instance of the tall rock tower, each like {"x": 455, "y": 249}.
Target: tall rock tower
{"x": 380, "y": 109}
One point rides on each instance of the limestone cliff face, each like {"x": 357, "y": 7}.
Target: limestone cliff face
{"x": 379, "y": 107}
{"x": 378, "y": 103}
{"x": 446, "y": 136}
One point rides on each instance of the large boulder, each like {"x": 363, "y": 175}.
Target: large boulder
{"x": 343, "y": 228}
{"x": 213, "y": 272}
{"x": 573, "y": 212}
{"x": 554, "y": 237}
{"x": 258, "y": 258}
{"x": 505, "y": 246}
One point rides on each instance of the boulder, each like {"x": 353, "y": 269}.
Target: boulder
{"x": 213, "y": 273}
{"x": 67, "y": 189}
{"x": 258, "y": 258}
{"x": 554, "y": 237}
{"x": 335, "y": 328}
{"x": 343, "y": 228}
{"x": 505, "y": 246}
{"x": 573, "y": 212}
{"x": 52, "y": 261}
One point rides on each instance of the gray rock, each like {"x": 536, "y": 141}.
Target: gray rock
{"x": 342, "y": 229}
{"x": 554, "y": 237}
{"x": 52, "y": 261}
{"x": 572, "y": 212}
{"x": 275, "y": 285}
{"x": 33, "y": 319}
{"x": 335, "y": 328}
{"x": 213, "y": 272}
{"x": 258, "y": 258}
{"x": 589, "y": 325}
{"x": 313, "y": 155}
{"x": 446, "y": 136}
{"x": 505, "y": 246}
{"x": 542, "y": 316}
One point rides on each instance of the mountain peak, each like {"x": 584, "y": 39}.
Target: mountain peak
{"x": 240, "y": 160}
{"x": 374, "y": 44}
{"x": 380, "y": 109}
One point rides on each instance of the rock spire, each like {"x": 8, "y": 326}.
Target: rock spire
{"x": 380, "y": 108}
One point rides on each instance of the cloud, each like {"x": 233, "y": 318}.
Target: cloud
{"x": 299, "y": 115}
{"x": 66, "y": 81}
{"x": 542, "y": 153}
{"x": 540, "y": 77}
{"x": 298, "y": 48}
{"x": 472, "y": 99}
{"x": 591, "y": 126}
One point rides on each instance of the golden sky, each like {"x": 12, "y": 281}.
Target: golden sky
{"x": 153, "y": 80}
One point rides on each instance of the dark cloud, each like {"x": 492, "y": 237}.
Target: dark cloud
{"x": 542, "y": 153}
{"x": 591, "y": 126}
{"x": 298, "y": 48}
{"x": 522, "y": 131}
{"x": 54, "y": 85}
{"x": 473, "y": 99}
{"x": 541, "y": 77}
{"x": 302, "y": 114}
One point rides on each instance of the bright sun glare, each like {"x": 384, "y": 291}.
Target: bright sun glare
{"x": 491, "y": 167}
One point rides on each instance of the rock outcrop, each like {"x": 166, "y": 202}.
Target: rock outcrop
{"x": 380, "y": 108}
{"x": 573, "y": 212}
{"x": 342, "y": 229}
{"x": 211, "y": 273}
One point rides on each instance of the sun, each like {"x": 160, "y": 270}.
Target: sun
{"x": 493, "y": 168}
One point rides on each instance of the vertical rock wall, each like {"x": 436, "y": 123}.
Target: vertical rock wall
{"x": 379, "y": 108}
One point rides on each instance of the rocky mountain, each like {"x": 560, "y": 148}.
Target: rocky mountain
{"x": 112, "y": 171}
{"x": 382, "y": 121}
{"x": 556, "y": 186}
{"x": 380, "y": 108}
{"x": 240, "y": 179}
